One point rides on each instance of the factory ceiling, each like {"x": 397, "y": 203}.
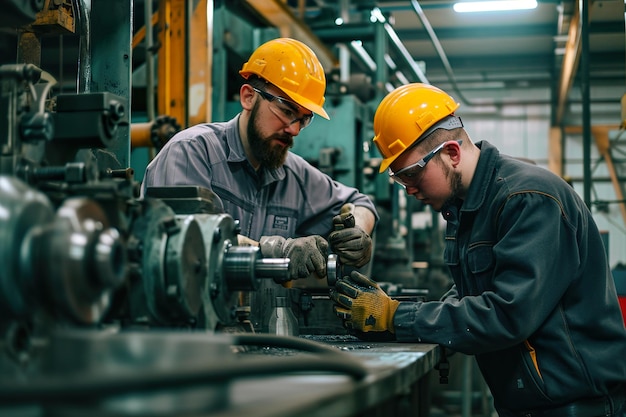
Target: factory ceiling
{"x": 479, "y": 54}
{"x": 475, "y": 55}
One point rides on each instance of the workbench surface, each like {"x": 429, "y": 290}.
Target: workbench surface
{"x": 394, "y": 369}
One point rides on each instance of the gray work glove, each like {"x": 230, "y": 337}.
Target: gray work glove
{"x": 351, "y": 243}
{"x": 306, "y": 254}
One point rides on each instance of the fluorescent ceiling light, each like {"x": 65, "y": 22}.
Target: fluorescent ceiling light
{"x": 494, "y": 5}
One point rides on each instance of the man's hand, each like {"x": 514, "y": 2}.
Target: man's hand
{"x": 363, "y": 305}
{"x": 349, "y": 241}
{"x": 306, "y": 254}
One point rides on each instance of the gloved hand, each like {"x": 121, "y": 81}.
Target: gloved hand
{"x": 363, "y": 305}
{"x": 306, "y": 254}
{"x": 351, "y": 243}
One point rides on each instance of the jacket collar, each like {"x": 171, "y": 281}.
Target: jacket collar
{"x": 483, "y": 176}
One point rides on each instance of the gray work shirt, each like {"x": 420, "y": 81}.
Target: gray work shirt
{"x": 294, "y": 200}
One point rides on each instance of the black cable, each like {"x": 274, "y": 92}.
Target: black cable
{"x": 287, "y": 342}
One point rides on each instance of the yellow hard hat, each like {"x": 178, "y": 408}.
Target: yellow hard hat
{"x": 406, "y": 115}
{"x": 294, "y": 68}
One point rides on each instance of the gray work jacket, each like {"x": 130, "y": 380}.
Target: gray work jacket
{"x": 294, "y": 200}
{"x": 533, "y": 296}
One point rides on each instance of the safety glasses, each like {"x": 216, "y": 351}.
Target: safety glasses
{"x": 285, "y": 110}
{"x": 408, "y": 175}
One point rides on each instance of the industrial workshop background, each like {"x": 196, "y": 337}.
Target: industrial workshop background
{"x": 92, "y": 89}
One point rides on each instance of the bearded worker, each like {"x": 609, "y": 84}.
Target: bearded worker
{"x": 281, "y": 201}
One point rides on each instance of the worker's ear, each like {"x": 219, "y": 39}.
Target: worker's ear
{"x": 453, "y": 150}
{"x": 247, "y": 96}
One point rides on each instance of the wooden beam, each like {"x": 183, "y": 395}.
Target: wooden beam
{"x": 570, "y": 64}
{"x": 555, "y": 151}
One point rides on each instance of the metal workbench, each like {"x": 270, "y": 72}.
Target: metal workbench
{"x": 395, "y": 386}
{"x": 183, "y": 374}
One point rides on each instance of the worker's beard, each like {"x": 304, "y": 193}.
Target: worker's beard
{"x": 269, "y": 156}
{"x": 456, "y": 187}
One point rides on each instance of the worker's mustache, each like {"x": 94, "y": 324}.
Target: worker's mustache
{"x": 286, "y": 139}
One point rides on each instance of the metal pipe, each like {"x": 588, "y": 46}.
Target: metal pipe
{"x": 84, "y": 47}
{"x": 347, "y": 32}
{"x": 187, "y": 43}
{"x": 393, "y": 36}
{"x": 380, "y": 50}
{"x": 584, "y": 87}
{"x": 149, "y": 44}
{"x": 344, "y": 52}
{"x": 357, "y": 47}
{"x": 439, "y": 49}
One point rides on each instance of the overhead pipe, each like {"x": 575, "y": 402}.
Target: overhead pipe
{"x": 149, "y": 45}
{"x": 442, "y": 55}
{"x": 586, "y": 96}
{"x": 568, "y": 68}
{"x": 344, "y": 52}
{"x": 357, "y": 31}
{"x": 357, "y": 47}
{"x": 392, "y": 65}
{"x": 347, "y": 32}
{"x": 395, "y": 39}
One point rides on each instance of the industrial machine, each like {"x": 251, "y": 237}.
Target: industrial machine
{"x": 116, "y": 304}
{"x": 108, "y": 299}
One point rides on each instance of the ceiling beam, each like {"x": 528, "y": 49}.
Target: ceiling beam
{"x": 569, "y": 65}
{"x": 277, "y": 13}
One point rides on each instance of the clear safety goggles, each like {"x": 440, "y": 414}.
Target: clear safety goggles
{"x": 285, "y": 110}
{"x": 409, "y": 175}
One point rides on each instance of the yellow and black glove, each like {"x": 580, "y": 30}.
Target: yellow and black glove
{"x": 306, "y": 254}
{"x": 351, "y": 243}
{"x": 363, "y": 305}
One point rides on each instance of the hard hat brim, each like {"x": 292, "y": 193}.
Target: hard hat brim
{"x": 309, "y": 105}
